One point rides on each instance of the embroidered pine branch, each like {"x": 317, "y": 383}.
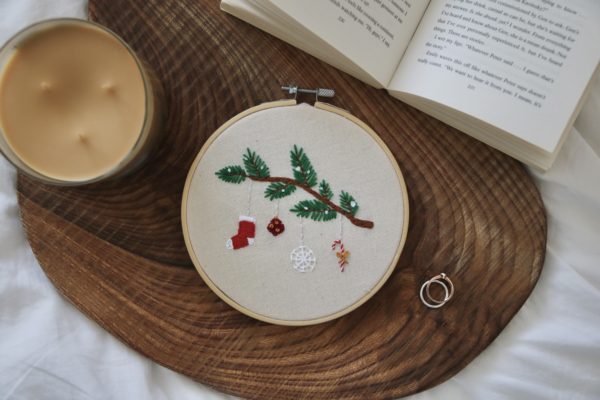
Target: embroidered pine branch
{"x": 305, "y": 178}
{"x": 299, "y": 209}
{"x": 314, "y": 209}
{"x": 348, "y": 203}
{"x": 279, "y": 190}
{"x": 255, "y": 166}
{"x": 232, "y": 174}
{"x": 302, "y": 168}
{"x": 325, "y": 190}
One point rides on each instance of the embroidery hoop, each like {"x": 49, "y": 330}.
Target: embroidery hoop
{"x": 196, "y": 257}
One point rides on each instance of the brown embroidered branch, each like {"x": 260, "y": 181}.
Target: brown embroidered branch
{"x": 305, "y": 177}
{"x": 282, "y": 179}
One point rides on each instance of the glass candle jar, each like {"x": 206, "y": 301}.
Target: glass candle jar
{"x": 76, "y": 103}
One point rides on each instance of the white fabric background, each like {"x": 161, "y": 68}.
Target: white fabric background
{"x": 550, "y": 350}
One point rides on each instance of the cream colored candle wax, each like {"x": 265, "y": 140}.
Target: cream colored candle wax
{"x": 72, "y": 102}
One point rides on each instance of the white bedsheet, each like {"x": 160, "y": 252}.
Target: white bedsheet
{"x": 550, "y": 350}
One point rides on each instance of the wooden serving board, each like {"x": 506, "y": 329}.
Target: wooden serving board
{"x": 115, "y": 249}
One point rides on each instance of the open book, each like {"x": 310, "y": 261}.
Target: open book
{"x": 511, "y": 73}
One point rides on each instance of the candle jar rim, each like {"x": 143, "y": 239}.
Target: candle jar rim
{"x": 150, "y": 83}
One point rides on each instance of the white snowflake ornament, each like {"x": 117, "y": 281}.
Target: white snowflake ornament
{"x": 303, "y": 259}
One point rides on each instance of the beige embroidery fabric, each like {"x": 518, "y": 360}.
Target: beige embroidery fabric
{"x": 259, "y": 278}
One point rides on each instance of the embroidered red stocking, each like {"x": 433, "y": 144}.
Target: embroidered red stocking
{"x": 245, "y": 234}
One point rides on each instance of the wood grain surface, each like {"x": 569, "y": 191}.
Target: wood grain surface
{"x": 116, "y": 251}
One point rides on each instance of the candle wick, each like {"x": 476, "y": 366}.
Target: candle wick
{"x": 109, "y": 88}
{"x": 82, "y": 137}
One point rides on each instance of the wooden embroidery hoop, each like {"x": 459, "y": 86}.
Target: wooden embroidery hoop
{"x": 227, "y": 298}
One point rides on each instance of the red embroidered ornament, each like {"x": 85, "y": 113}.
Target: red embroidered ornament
{"x": 245, "y": 234}
{"x": 276, "y": 227}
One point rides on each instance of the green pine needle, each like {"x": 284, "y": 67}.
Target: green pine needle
{"x": 302, "y": 168}
{"x": 314, "y": 209}
{"x": 255, "y": 165}
{"x": 325, "y": 190}
{"x": 347, "y": 203}
{"x": 279, "y": 190}
{"x": 232, "y": 174}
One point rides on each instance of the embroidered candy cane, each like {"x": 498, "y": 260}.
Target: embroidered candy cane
{"x": 342, "y": 255}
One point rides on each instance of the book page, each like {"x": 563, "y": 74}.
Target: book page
{"x": 286, "y": 29}
{"x": 519, "y": 65}
{"x": 372, "y": 33}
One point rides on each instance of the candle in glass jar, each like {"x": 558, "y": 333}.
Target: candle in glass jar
{"x": 73, "y": 102}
